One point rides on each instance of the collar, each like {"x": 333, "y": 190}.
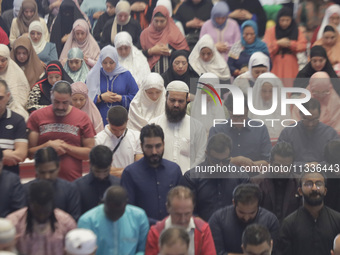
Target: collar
{"x": 112, "y": 136}
{"x": 168, "y": 224}
{"x": 7, "y": 114}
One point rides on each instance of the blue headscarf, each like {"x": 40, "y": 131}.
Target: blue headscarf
{"x": 257, "y": 45}
{"x": 220, "y": 9}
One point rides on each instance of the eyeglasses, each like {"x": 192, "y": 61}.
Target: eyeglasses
{"x": 310, "y": 184}
{"x": 216, "y": 161}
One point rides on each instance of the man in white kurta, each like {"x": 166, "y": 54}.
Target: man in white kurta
{"x": 185, "y": 137}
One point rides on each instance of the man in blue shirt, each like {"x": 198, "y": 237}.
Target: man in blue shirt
{"x": 149, "y": 180}
{"x": 120, "y": 228}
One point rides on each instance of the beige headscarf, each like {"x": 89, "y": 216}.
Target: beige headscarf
{"x": 36, "y": 26}
{"x": 22, "y": 21}
{"x": 122, "y": 6}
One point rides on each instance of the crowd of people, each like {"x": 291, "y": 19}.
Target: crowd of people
{"x": 209, "y": 127}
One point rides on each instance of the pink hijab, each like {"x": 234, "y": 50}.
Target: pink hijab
{"x": 321, "y": 89}
{"x": 90, "y": 108}
{"x": 89, "y": 47}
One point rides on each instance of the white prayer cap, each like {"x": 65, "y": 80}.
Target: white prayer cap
{"x": 7, "y": 253}
{"x": 7, "y": 231}
{"x": 80, "y": 241}
{"x": 178, "y": 86}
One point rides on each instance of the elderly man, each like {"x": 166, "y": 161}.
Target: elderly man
{"x": 185, "y": 138}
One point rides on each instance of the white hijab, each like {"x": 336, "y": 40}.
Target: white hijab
{"x": 142, "y": 108}
{"x": 216, "y": 65}
{"x": 259, "y": 104}
{"x": 214, "y": 110}
{"x": 334, "y": 8}
{"x": 36, "y": 26}
{"x": 136, "y": 62}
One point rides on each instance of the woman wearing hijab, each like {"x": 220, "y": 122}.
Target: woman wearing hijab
{"x": 24, "y": 55}
{"x": 16, "y": 80}
{"x": 214, "y": 111}
{"x": 160, "y": 38}
{"x": 259, "y": 63}
{"x": 241, "y": 51}
{"x": 27, "y": 14}
{"x": 224, "y": 31}
{"x": 63, "y": 24}
{"x": 263, "y": 100}
{"x": 330, "y": 41}
{"x": 46, "y": 51}
{"x": 40, "y": 95}
{"x": 80, "y": 37}
{"x": 331, "y": 17}
{"x": 108, "y": 14}
{"x": 75, "y": 65}
{"x": 318, "y": 62}
{"x": 180, "y": 70}
{"x": 192, "y": 14}
{"x": 148, "y": 103}
{"x": 284, "y": 41}
{"x": 205, "y": 58}
{"x": 131, "y": 58}
{"x": 109, "y": 83}
{"x": 121, "y": 22}
{"x": 321, "y": 89}
{"x": 80, "y": 100}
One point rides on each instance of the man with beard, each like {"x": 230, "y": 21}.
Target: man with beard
{"x": 63, "y": 127}
{"x": 227, "y": 224}
{"x": 185, "y": 140}
{"x": 149, "y": 180}
{"x": 93, "y": 186}
{"x": 312, "y": 228}
{"x": 66, "y": 195}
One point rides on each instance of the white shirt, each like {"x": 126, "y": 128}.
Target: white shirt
{"x": 128, "y": 148}
{"x": 185, "y": 141}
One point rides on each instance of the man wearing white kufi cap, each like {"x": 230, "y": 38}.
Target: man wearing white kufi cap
{"x": 7, "y": 236}
{"x": 80, "y": 241}
{"x": 185, "y": 137}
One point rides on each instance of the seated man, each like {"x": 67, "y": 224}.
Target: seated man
{"x": 251, "y": 145}
{"x": 180, "y": 206}
{"x": 7, "y": 236}
{"x": 123, "y": 142}
{"x": 279, "y": 189}
{"x": 40, "y": 227}
{"x": 256, "y": 239}
{"x": 149, "y": 180}
{"x": 93, "y": 185}
{"x": 120, "y": 228}
{"x": 80, "y": 241}
{"x": 13, "y": 196}
{"x": 174, "y": 240}
{"x": 310, "y": 136}
{"x": 227, "y": 224}
{"x": 66, "y": 195}
{"x": 213, "y": 193}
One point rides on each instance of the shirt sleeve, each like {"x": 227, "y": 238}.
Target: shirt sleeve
{"x": 127, "y": 183}
{"x": 17, "y": 194}
{"x": 73, "y": 202}
{"x": 20, "y": 131}
{"x": 87, "y": 128}
{"x": 216, "y": 230}
{"x": 143, "y": 233}
{"x": 32, "y": 123}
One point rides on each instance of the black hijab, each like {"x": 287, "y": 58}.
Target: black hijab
{"x": 302, "y": 79}
{"x": 292, "y": 32}
{"x": 68, "y": 14}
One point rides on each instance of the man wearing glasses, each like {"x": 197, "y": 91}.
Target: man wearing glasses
{"x": 309, "y": 137}
{"x": 312, "y": 228}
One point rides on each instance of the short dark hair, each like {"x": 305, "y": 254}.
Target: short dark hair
{"x": 41, "y": 192}
{"x": 62, "y": 87}
{"x": 117, "y": 115}
{"x": 304, "y": 173}
{"x": 116, "y": 195}
{"x": 173, "y": 234}
{"x": 332, "y": 152}
{"x": 101, "y": 156}
{"x": 219, "y": 143}
{"x": 46, "y": 154}
{"x": 151, "y": 130}
{"x": 180, "y": 192}
{"x": 282, "y": 149}
{"x": 230, "y": 100}
{"x": 159, "y": 14}
{"x": 4, "y": 83}
{"x": 312, "y": 104}
{"x": 255, "y": 234}
{"x": 247, "y": 194}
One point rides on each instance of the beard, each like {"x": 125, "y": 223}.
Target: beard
{"x": 315, "y": 198}
{"x": 175, "y": 115}
{"x": 154, "y": 159}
